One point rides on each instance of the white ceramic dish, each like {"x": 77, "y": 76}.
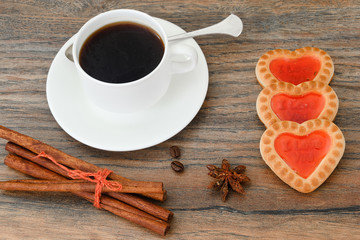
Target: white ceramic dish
{"x": 125, "y": 132}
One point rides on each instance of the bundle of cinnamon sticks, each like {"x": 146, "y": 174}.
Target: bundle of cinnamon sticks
{"x": 127, "y": 202}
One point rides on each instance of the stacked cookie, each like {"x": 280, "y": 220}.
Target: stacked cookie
{"x": 301, "y": 144}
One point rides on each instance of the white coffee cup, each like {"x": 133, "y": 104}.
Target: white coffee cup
{"x": 146, "y": 91}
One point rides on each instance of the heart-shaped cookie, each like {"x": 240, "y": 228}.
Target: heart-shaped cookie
{"x": 303, "y": 155}
{"x": 302, "y": 65}
{"x": 286, "y": 102}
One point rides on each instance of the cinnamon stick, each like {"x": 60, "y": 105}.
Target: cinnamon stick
{"x": 132, "y": 200}
{"x": 34, "y": 170}
{"x": 65, "y": 186}
{"x": 154, "y": 226}
{"x": 37, "y": 147}
{"x": 118, "y": 208}
{"x": 30, "y": 168}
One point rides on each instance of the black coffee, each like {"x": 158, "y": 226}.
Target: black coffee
{"x": 121, "y": 52}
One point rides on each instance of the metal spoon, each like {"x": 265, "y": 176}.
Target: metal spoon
{"x": 232, "y": 25}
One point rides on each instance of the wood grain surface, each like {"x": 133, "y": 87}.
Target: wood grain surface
{"x": 227, "y": 126}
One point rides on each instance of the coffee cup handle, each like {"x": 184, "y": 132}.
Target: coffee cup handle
{"x": 183, "y": 58}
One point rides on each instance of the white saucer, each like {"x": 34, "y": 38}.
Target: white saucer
{"x": 125, "y": 132}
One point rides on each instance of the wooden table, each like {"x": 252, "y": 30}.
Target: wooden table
{"x": 227, "y": 125}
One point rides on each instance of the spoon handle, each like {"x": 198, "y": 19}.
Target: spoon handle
{"x": 232, "y": 25}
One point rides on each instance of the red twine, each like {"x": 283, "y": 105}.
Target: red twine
{"x": 99, "y": 178}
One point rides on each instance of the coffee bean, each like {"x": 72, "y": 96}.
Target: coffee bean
{"x": 175, "y": 152}
{"x": 177, "y": 166}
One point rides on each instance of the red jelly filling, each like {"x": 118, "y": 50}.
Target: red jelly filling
{"x": 295, "y": 71}
{"x": 297, "y": 108}
{"x": 303, "y": 153}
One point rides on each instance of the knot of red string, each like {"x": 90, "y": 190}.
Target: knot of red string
{"x": 99, "y": 178}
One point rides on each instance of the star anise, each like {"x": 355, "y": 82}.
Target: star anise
{"x": 226, "y": 176}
